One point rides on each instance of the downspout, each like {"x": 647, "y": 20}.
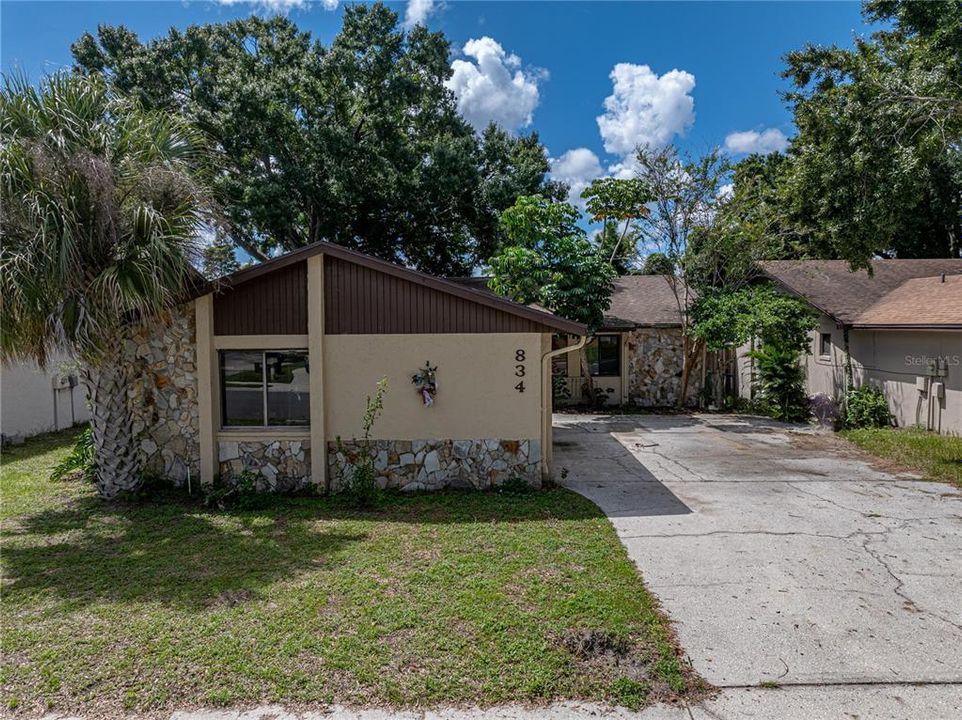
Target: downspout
{"x": 849, "y": 374}
{"x": 546, "y": 393}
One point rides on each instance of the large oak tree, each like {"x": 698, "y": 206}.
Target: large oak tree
{"x": 358, "y": 143}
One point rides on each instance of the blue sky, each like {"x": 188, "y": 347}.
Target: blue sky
{"x": 687, "y": 72}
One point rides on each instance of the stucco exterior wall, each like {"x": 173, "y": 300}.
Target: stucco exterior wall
{"x": 895, "y": 359}
{"x": 891, "y": 359}
{"x": 477, "y": 375}
{"x": 29, "y": 403}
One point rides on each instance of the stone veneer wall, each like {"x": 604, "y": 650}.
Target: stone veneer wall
{"x": 284, "y": 465}
{"x": 435, "y": 464}
{"x": 163, "y": 395}
{"x": 655, "y": 362}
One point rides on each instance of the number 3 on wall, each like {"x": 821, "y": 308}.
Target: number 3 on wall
{"x": 519, "y": 358}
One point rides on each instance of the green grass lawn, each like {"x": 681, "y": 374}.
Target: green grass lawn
{"x": 448, "y": 598}
{"x": 938, "y": 457}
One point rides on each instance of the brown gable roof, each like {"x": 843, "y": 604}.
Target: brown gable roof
{"x": 919, "y": 302}
{"x": 643, "y": 301}
{"x": 637, "y": 301}
{"x": 830, "y": 286}
{"x": 547, "y": 321}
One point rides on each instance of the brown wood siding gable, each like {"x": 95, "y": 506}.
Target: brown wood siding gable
{"x": 359, "y": 300}
{"x": 272, "y": 304}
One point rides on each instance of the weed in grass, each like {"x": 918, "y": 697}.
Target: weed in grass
{"x": 630, "y": 693}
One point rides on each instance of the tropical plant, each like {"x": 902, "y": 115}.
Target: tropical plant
{"x": 866, "y": 407}
{"x": 80, "y": 462}
{"x": 101, "y": 211}
{"x": 781, "y": 380}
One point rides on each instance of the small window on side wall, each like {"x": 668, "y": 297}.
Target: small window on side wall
{"x": 825, "y": 344}
{"x": 265, "y": 388}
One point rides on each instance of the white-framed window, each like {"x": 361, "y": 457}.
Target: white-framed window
{"x": 265, "y": 388}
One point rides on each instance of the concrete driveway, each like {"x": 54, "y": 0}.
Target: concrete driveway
{"x": 783, "y": 557}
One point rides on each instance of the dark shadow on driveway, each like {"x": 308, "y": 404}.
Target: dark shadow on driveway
{"x": 598, "y": 465}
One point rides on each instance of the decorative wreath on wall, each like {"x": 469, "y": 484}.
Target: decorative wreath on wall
{"x": 426, "y": 383}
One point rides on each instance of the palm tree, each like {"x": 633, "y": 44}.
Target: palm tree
{"x": 101, "y": 211}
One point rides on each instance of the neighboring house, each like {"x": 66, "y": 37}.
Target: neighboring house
{"x": 268, "y": 370}
{"x": 636, "y": 357}
{"x": 34, "y": 400}
{"x": 899, "y": 328}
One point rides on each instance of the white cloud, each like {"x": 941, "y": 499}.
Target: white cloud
{"x": 494, "y": 87}
{"x": 418, "y": 11}
{"x": 577, "y": 168}
{"x": 280, "y": 7}
{"x": 725, "y": 191}
{"x": 645, "y": 108}
{"x": 752, "y": 141}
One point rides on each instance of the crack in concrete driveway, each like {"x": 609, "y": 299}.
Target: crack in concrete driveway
{"x": 782, "y": 561}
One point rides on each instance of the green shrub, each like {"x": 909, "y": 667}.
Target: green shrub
{"x": 236, "y": 492}
{"x": 360, "y": 487}
{"x": 81, "y": 462}
{"x": 560, "y": 392}
{"x": 866, "y": 407}
{"x": 780, "y": 380}
{"x": 515, "y": 486}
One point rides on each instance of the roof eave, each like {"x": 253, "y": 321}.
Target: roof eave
{"x": 907, "y": 326}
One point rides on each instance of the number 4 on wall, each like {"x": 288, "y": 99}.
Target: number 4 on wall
{"x": 520, "y": 386}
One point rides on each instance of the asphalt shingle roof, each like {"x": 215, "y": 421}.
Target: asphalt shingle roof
{"x": 857, "y": 298}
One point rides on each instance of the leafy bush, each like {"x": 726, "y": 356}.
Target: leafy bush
{"x": 81, "y": 462}
{"x": 515, "y": 486}
{"x": 236, "y": 491}
{"x": 560, "y": 392}
{"x": 780, "y": 381}
{"x": 866, "y": 407}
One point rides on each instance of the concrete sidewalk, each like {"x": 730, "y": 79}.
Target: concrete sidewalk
{"x": 879, "y": 702}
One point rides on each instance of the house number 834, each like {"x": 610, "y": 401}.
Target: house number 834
{"x": 519, "y": 358}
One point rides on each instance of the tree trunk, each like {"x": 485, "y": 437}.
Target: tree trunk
{"x": 588, "y": 382}
{"x": 690, "y": 352}
{"x": 117, "y": 457}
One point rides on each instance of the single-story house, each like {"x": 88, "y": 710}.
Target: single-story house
{"x": 899, "y": 327}
{"x": 35, "y": 400}
{"x": 268, "y": 370}
{"x": 637, "y": 356}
